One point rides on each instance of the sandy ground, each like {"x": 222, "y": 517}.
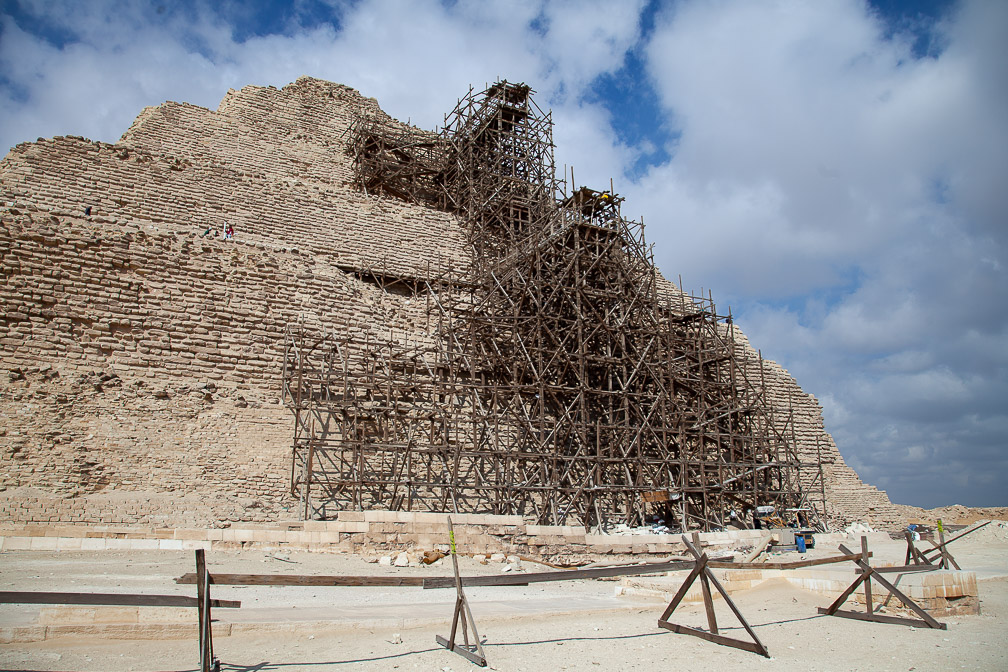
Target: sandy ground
{"x": 577, "y": 625}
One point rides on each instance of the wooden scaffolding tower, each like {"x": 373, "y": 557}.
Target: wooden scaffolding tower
{"x": 558, "y": 381}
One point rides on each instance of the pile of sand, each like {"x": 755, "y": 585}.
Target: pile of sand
{"x": 957, "y": 514}
{"x": 996, "y": 530}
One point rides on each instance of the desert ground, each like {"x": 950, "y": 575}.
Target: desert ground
{"x": 573, "y": 625}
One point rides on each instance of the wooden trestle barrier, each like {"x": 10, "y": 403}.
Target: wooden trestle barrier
{"x": 702, "y": 571}
{"x": 462, "y": 615}
{"x": 474, "y": 651}
{"x": 928, "y": 557}
{"x": 865, "y": 577}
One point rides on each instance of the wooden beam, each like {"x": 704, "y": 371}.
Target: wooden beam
{"x": 878, "y": 618}
{"x": 905, "y": 569}
{"x": 462, "y": 615}
{"x": 303, "y": 580}
{"x": 711, "y": 637}
{"x": 704, "y": 584}
{"x": 203, "y": 605}
{"x": 702, "y": 571}
{"x": 759, "y": 548}
{"x": 108, "y": 599}
{"x": 795, "y": 564}
{"x": 867, "y": 581}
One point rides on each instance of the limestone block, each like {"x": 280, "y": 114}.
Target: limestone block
{"x": 93, "y": 544}
{"x": 17, "y": 543}
{"x": 69, "y": 543}
{"x": 43, "y": 544}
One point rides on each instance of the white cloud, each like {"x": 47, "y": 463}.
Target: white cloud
{"x": 122, "y": 56}
{"x": 810, "y": 101}
{"x": 848, "y": 197}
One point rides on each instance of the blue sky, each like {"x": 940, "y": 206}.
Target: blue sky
{"x": 835, "y": 171}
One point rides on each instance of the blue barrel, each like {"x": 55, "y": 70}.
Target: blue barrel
{"x": 800, "y": 542}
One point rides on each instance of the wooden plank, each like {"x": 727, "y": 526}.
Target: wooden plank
{"x": 462, "y": 651}
{"x": 109, "y": 599}
{"x": 879, "y": 618}
{"x": 303, "y": 580}
{"x": 708, "y": 600}
{"x": 430, "y": 582}
{"x": 941, "y": 547}
{"x": 563, "y": 575}
{"x": 905, "y": 569}
{"x": 913, "y": 606}
{"x": 717, "y": 639}
{"x": 917, "y": 556}
{"x": 701, "y": 560}
{"x": 738, "y": 614}
{"x": 203, "y": 606}
{"x": 795, "y": 564}
{"x": 462, "y": 615}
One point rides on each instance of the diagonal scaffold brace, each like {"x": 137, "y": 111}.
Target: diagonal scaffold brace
{"x": 867, "y": 574}
{"x": 702, "y": 571}
{"x": 463, "y": 615}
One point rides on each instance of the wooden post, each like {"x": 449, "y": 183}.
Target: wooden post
{"x": 867, "y": 573}
{"x": 914, "y": 553}
{"x": 941, "y": 538}
{"x": 203, "y": 612}
{"x": 705, "y": 588}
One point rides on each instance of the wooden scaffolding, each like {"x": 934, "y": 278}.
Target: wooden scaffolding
{"x": 559, "y": 380}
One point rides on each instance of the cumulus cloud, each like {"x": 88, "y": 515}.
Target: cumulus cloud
{"x": 843, "y": 191}
{"x": 97, "y": 64}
